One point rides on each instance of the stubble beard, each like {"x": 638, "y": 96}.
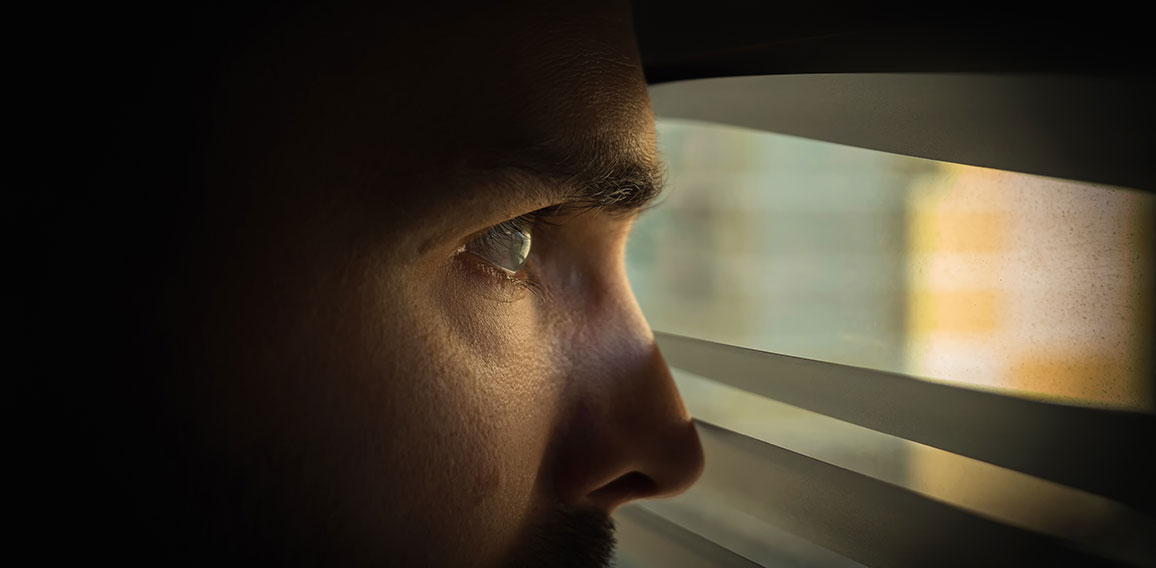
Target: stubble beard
{"x": 568, "y": 538}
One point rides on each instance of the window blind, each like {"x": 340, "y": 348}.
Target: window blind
{"x": 804, "y": 510}
{"x": 871, "y": 272}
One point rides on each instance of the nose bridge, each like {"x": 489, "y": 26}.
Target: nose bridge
{"x": 631, "y": 437}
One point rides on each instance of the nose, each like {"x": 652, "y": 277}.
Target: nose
{"x": 625, "y": 433}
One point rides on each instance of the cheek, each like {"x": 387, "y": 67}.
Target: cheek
{"x": 474, "y": 392}
{"x": 502, "y": 362}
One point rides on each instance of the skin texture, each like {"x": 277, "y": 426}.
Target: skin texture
{"x": 352, "y": 387}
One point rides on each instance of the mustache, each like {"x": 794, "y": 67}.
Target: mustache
{"x": 569, "y": 538}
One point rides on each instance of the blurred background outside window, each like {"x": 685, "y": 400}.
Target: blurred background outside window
{"x": 1026, "y": 285}
{"x": 984, "y": 278}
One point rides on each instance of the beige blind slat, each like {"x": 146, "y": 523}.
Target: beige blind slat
{"x": 647, "y": 539}
{"x": 864, "y": 519}
{"x": 1074, "y": 127}
{"x": 1093, "y": 449}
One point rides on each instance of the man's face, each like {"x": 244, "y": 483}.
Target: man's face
{"x": 414, "y": 332}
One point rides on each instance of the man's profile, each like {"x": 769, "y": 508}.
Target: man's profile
{"x": 370, "y": 297}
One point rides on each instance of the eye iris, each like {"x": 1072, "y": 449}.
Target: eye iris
{"x": 505, "y": 246}
{"x": 519, "y": 248}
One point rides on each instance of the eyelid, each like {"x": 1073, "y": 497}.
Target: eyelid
{"x": 542, "y": 217}
{"x": 525, "y": 222}
{"x": 502, "y": 277}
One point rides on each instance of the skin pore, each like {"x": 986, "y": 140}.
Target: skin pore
{"x": 354, "y": 383}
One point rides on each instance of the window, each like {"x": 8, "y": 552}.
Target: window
{"x": 894, "y": 360}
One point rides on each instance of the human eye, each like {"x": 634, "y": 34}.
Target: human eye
{"x": 505, "y": 246}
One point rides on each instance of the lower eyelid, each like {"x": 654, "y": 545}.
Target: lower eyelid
{"x": 495, "y": 275}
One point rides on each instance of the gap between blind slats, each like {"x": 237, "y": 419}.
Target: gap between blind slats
{"x": 1097, "y": 450}
{"x": 866, "y": 520}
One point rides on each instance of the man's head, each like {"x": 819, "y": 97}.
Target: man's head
{"x": 400, "y": 330}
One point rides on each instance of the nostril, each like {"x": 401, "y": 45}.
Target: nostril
{"x": 627, "y": 487}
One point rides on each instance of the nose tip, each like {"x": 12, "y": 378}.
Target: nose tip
{"x": 670, "y": 472}
{"x": 683, "y": 466}
{"x": 672, "y": 455}
{"x": 633, "y": 440}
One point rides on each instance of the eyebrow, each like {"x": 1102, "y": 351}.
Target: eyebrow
{"x": 590, "y": 175}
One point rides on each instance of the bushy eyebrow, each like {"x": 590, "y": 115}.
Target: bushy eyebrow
{"x": 593, "y": 177}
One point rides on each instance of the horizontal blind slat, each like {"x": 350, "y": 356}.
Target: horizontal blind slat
{"x": 864, "y": 519}
{"x": 976, "y": 486}
{"x": 994, "y": 121}
{"x": 744, "y": 534}
{"x": 1097, "y": 450}
{"x": 650, "y": 540}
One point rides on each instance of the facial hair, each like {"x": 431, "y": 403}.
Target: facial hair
{"x": 568, "y": 538}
